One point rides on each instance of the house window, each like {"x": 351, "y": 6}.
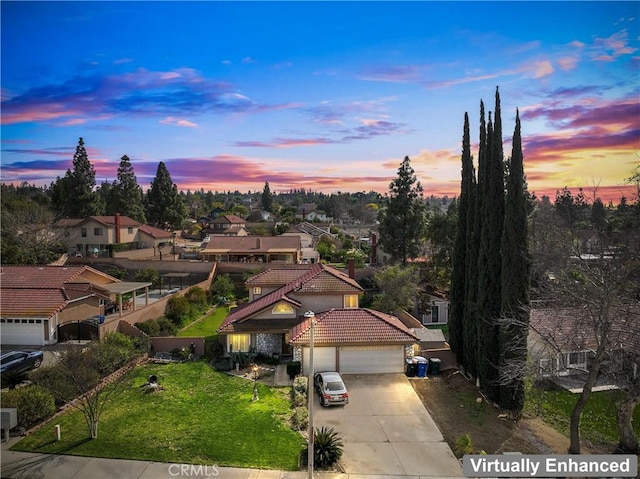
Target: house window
{"x": 97, "y": 231}
{"x": 350, "y": 300}
{"x": 257, "y": 290}
{"x": 239, "y": 342}
{"x": 577, "y": 359}
{"x": 435, "y": 313}
{"x": 130, "y": 230}
{"x": 83, "y": 232}
{"x": 548, "y": 366}
{"x": 282, "y": 308}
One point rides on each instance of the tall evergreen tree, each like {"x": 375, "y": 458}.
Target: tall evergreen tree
{"x": 516, "y": 266}
{"x": 267, "y": 198}
{"x": 402, "y": 220}
{"x": 74, "y": 196}
{"x": 165, "y": 208}
{"x": 461, "y": 246}
{"x": 128, "y": 194}
{"x": 490, "y": 262}
{"x": 471, "y": 322}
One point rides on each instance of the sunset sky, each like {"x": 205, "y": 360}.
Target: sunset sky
{"x": 327, "y": 96}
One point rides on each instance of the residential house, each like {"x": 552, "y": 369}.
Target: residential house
{"x": 315, "y": 230}
{"x": 252, "y": 249}
{"x": 562, "y": 341}
{"x": 309, "y": 253}
{"x": 97, "y": 235}
{"x": 229, "y": 225}
{"x": 347, "y": 338}
{"x": 36, "y": 300}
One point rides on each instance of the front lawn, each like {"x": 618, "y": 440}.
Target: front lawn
{"x": 207, "y": 326}
{"x": 202, "y": 417}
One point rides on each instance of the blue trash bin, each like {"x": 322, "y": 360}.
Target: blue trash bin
{"x": 423, "y": 365}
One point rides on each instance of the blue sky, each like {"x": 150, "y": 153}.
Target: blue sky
{"x": 327, "y": 96}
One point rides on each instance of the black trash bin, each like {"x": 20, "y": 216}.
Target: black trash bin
{"x": 434, "y": 366}
{"x": 411, "y": 368}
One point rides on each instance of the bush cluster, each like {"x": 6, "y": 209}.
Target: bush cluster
{"x": 182, "y": 310}
{"x": 300, "y": 418}
{"x": 34, "y": 404}
{"x": 158, "y": 327}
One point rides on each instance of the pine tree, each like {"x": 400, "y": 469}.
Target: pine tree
{"x": 127, "y": 193}
{"x": 515, "y": 282}
{"x": 165, "y": 208}
{"x": 267, "y": 198}
{"x": 459, "y": 267}
{"x": 73, "y": 196}
{"x": 402, "y": 220}
{"x": 490, "y": 262}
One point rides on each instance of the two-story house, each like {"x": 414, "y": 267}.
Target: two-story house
{"x": 347, "y": 338}
{"x": 97, "y": 235}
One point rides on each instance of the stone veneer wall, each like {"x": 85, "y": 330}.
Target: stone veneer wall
{"x": 268, "y": 343}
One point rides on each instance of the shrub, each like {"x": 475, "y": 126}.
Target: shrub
{"x": 214, "y": 349}
{"x": 300, "y": 418}
{"x": 222, "y": 365}
{"x": 267, "y": 359}
{"x": 299, "y": 399}
{"x": 293, "y": 369}
{"x": 243, "y": 359}
{"x": 197, "y": 297}
{"x": 178, "y": 310}
{"x": 158, "y": 327}
{"x": 327, "y": 448}
{"x": 34, "y": 404}
{"x": 300, "y": 384}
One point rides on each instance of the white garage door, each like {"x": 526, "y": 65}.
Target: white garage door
{"x": 371, "y": 359}
{"x": 26, "y": 332}
{"x": 324, "y": 359}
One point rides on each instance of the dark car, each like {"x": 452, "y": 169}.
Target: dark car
{"x": 331, "y": 389}
{"x": 20, "y": 361}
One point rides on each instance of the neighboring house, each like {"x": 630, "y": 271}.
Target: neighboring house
{"x": 563, "y": 343}
{"x": 252, "y": 249}
{"x": 221, "y": 224}
{"x": 316, "y": 231}
{"x": 309, "y": 254}
{"x": 35, "y": 300}
{"x": 438, "y": 313}
{"x": 349, "y": 339}
{"x": 96, "y": 235}
{"x": 261, "y": 216}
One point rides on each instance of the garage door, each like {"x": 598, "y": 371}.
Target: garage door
{"x": 324, "y": 359}
{"x": 26, "y": 332}
{"x": 371, "y": 359}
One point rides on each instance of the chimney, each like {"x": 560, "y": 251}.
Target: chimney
{"x": 117, "y": 227}
{"x": 352, "y": 269}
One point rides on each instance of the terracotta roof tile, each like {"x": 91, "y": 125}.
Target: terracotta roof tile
{"x": 251, "y": 244}
{"x": 353, "y": 326}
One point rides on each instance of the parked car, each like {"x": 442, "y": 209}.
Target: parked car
{"x": 331, "y": 389}
{"x": 20, "y": 361}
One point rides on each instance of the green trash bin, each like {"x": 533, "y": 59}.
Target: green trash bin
{"x": 434, "y": 364}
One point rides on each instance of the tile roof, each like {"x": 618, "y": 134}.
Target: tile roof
{"x": 111, "y": 220}
{"x": 42, "y": 291}
{"x": 571, "y": 329}
{"x": 228, "y": 219}
{"x": 278, "y": 276}
{"x": 251, "y": 244}
{"x": 154, "y": 232}
{"x": 320, "y": 276}
{"x": 353, "y": 326}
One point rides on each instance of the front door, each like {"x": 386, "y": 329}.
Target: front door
{"x": 286, "y": 347}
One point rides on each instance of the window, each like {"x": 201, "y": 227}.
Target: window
{"x": 257, "y": 290}
{"x": 239, "y": 342}
{"x": 435, "y": 313}
{"x": 577, "y": 359}
{"x": 97, "y": 231}
{"x": 350, "y": 300}
{"x": 83, "y": 232}
{"x": 282, "y": 308}
{"x": 130, "y": 230}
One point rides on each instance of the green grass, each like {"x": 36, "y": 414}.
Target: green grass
{"x": 207, "y": 326}
{"x": 598, "y": 420}
{"x": 202, "y": 417}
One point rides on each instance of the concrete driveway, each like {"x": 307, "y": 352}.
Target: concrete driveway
{"x": 386, "y": 430}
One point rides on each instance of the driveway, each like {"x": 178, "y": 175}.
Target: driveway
{"x": 386, "y": 430}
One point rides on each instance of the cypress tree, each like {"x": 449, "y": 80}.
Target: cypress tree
{"x": 490, "y": 261}
{"x": 474, "y": 218}
{"x": 515, "y": 281}
{"x": 459, "y": 260}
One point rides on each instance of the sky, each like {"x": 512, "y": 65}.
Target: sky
{"x": 327, "y": 96}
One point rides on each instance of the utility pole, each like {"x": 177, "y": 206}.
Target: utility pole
{"x": 310, "y": 393}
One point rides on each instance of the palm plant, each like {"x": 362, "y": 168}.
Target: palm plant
{"x": 327, "y": 449}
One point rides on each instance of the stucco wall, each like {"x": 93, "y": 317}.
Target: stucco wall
{"x": 80, "y": 310}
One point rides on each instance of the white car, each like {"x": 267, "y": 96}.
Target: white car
{"x": 331, "y": 389}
